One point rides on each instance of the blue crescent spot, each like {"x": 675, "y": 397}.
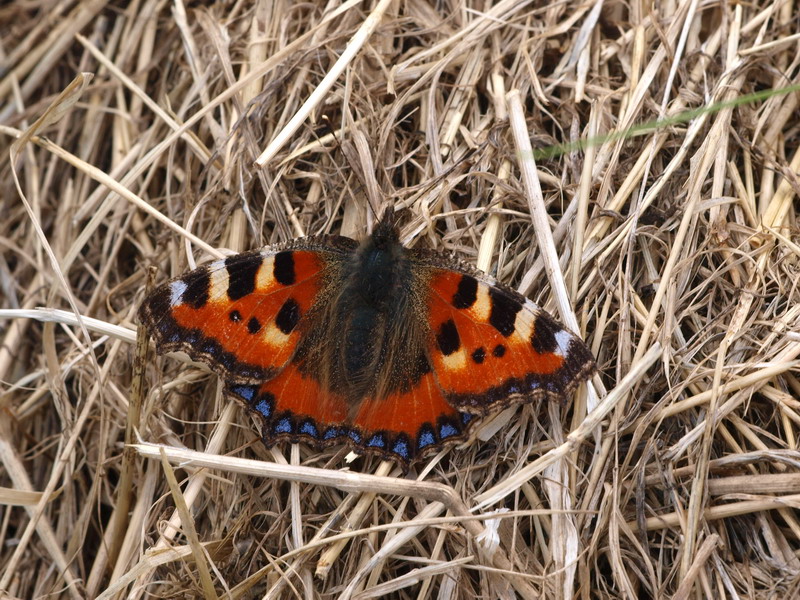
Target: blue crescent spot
{"x": 466, "y": 418}
{"x": 309, "y": 428}
{"x": 354, "y": 435}
{"x": 426, "y": 438}
{"x": 265, "y": 408}
{"x": 377, "y": 441}
{"x": 244, "y": 391}
{"x": 446, "y": 430}
{"x": 401, "y": 447}
{"x": 283, "y": 426}
{"x": 534, "y": 384}
{"x": 331, "y": 433}
{"x": 513, "y": 389}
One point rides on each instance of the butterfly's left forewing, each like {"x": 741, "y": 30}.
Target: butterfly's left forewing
{"x": 490, "y": 347}
{"x": 241, "y": 315}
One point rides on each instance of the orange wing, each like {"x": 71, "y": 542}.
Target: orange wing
{"x": 404, "y": 427}
{"x": 240, "y": 315}
{"x": 293, "y": 407}
{"x": 491, "y": 347}
{"x": 412, "y": 423}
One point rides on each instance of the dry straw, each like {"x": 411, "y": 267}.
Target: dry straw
{"x": 164, "y": 134}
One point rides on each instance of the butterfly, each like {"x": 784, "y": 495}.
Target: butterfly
{"x": 389, "y": 350}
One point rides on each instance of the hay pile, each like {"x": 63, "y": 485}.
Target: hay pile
{"x": 678, "y": 247}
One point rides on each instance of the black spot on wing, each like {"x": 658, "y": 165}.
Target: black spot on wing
{"x": 197, "y": 283}
{"x": 288, "y": 316}
{"x": 447, "y": 338}
{"x": 235, "y": 316}
{"x": 242, "y": 272}
{"x": 479, "y": 355}
{"x": 543, "y": 339}
{"x": 283, "y": 268}
{"x": 253, "y": 326}
{"x": 423, "y": 367}
{"x": 467, "y": 292}
{"x": 504, "y": 311}
{"x": 499, "y": 351}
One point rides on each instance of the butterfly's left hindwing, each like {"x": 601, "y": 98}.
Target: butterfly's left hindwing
{"x": 490, "y": 347}
{"x": 404, "y": 427}
{"x": 241, "y": 315}
{"x": 293, "y": 407}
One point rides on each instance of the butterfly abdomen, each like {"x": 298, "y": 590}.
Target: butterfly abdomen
{"x": 361, "y": 341}
{"x": 373, "y": 306}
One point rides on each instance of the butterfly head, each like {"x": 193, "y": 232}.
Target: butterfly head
{"x": 380, "y": 268}
{"x": 385, "y": 234}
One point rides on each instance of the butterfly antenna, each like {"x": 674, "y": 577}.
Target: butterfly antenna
{"x": 389, "y": 217}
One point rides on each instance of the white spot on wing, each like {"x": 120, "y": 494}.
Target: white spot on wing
{"x": 563, "y": 339}
{"x": 274, "y": 336}
{"x": 218, "y": 275}
{"x": 455, "y": 361}
{"x": 531, "y": 307}
{"x": 523, "y": 325}
{"x": 176, "y": 291}
{"x": 482, "y": 307}
{"x": 266, "y": 278}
